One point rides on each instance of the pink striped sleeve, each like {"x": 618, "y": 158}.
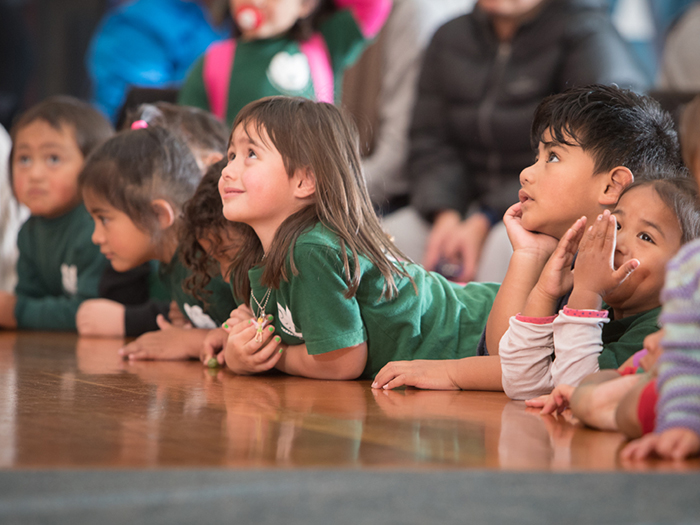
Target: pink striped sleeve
{"x": 370, "y": 15}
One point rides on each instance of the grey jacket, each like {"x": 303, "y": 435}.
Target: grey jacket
{"x": 470, "y": 133}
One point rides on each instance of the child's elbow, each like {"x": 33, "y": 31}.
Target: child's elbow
{"x": 350, "y": 364}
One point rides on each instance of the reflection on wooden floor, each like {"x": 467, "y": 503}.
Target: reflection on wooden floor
{"x": 69, "y": 402}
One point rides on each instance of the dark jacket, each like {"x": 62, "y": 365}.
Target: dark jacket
{"x": 470, "y": 134}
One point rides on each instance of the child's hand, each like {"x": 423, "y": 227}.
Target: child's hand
{"x": 525, "y": 240}
{"x": 170, "y": 343}
{"x": 557, "y": 401}
{"x": 177, "y": 318}
{"x": 556, "y": 278}
{"x": 242, "y": 313}
{"x": 594, "y": 273}
{"x": 244, "y": 355}
{"x": 100, "y": 317}
{"x": 652, "y": 343}
{"x": 675, "y": 443}
{"x": 7, "y": 310}
{"x": 429, "y": 374}
{"x": 212, "y": 347}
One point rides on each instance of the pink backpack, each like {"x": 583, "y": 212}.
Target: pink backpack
{"x": 218, "y": 64}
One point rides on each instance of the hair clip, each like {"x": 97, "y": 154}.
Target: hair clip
{"x": 139, "y": 124}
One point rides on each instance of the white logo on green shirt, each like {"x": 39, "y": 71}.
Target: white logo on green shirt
{"x": 289, "y": 73}
{"x": 285, "y": 317}
{"x": 198, "y": 317}
{"x": 69, "y": 278}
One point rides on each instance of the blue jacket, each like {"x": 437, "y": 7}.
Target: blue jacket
{"x": 148, "y": 43}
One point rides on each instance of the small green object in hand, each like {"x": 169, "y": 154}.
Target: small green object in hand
{"x": 212, "y": 363}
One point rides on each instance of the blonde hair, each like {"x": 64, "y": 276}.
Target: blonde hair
{"x": 318, "y": 136}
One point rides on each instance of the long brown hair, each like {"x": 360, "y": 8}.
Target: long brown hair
{"x": 320, "y": 137}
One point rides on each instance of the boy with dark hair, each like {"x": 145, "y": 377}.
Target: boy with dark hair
{"x": 58, "y": 265}
{"x": 592, "y": 142}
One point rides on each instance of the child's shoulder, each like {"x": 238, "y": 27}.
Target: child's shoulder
{"x": 318, "y": 236}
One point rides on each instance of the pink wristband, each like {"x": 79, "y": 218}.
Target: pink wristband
{"x": 598, "y": 314}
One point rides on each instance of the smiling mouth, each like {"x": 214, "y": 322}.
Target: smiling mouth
{"x": 231, "y": 192}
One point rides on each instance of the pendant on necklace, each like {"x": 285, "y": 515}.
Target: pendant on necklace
{"x": 260, "y": 324}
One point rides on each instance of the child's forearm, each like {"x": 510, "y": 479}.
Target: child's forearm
{"x": 343, "y": 364}
{"x": 477, "y": 373}
{"x": 7, "y": 310}
{"x": 523, "y": 273}
{"x": 577, "y": 346}
{"x": 526, "y": 358}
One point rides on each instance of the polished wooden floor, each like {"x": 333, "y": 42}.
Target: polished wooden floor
{"x": 67, "y": 402}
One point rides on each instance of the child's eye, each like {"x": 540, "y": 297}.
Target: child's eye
{"x": 53, "y": 160}
{"x": 231, "y": 156}
{"x": 251, "y": 154}
{"x": 552, "y": 157}
{"x": 646, "y": 237}
{"x": 617, "y": 224}
{"x": 23, "y": 160}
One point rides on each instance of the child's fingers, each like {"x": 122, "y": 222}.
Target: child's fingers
{"x": 162, "y": 323}
{"x": 266, "y": 358}
{"x": 640, "y": 448}
{"x": 235, "y": 328}
{"x": 386, "y": 374}
{"x": 537, "y": 402}
{"x": 624, "y": 271}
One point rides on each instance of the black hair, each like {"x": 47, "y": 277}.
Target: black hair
{"x": 203, "y": 218}
{"x": 617, "y": 127}
{"x": 198, "y": 128}
{"x": 135, "y": 167}
{"x": 91, "y": 128}
{"x": 680, "y": 194}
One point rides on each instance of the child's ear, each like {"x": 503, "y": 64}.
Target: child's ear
{"x": 616, "y": 180}
{"x": 165, "y": 213}
{"x": 305, "y": 183}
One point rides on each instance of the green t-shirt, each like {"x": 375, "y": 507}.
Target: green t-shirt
{"x": 58, "y": 268}
{"x": 442, "y": 321}
{"x": 623, "y": 337}
{"x": 218, "y": 304}
{"x": 276, "y": 66}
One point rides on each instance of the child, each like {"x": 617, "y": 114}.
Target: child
{"x": 130, "y": 301}
{"x": 319, "y": 262}
{"x": 206, "y": 136}
{"x": 58, "y": 266}
{"x": 208, "y": 243}
{"x": 625, "y": 269}
{"x": 592, "y": 142}
{"x": 627, "y": 403}
{"x": 279, "y": 51}
{"x": 135, "y": 187}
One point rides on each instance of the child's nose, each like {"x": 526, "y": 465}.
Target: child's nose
{"x": 527, "y": 175}
{"x": 97, "y": 235}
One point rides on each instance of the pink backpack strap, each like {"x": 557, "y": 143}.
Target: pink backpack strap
{"x": 218, "y": 64}
{"x": 318, "y": 56}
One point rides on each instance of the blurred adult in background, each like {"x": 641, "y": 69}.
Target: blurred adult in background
{"x": 483, "y": 75}
{"x": 644, "y": 24}
{"x": 15, "y": 60}
{"x": 402, "y": 43}
{"x": 12, "y": 215}
{"x": 680, "y": 67}
{"x": 150, "y": 43}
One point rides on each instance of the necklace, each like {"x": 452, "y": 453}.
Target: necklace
{"x": 260, "y": 320}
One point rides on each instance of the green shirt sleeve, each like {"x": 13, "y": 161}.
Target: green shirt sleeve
{"x": 193, "y": 92}
{"x": 39, "y": 306}
{"x": 327, "y": 320}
